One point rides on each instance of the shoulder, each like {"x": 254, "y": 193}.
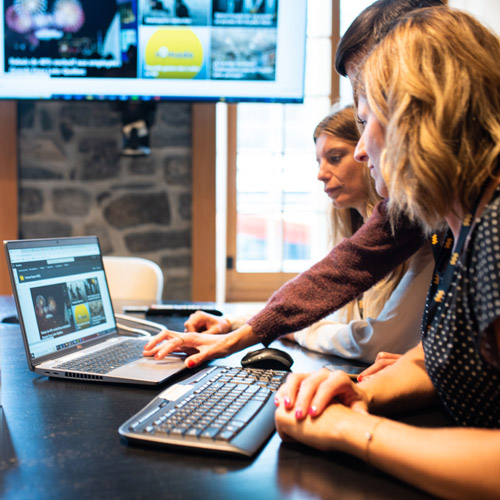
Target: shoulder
{"x": 487, "y": 232}
{"x": 492, "y": 210}
{"x": 482, "y": 266}
{"x": 377, "y": 229}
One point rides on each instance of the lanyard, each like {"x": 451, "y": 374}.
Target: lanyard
{"x": 445, "y": 267}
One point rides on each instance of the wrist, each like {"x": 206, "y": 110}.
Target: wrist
{"x": 241, "y": 338}
{"x": 358, "y": 434}
{"x": 228, "y": 325}
{"x": 366, "y": 387}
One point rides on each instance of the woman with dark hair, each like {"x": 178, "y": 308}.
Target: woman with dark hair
{"x": 370, "y": 27}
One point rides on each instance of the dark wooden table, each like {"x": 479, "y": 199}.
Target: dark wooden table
{"x": 59, "y": 440}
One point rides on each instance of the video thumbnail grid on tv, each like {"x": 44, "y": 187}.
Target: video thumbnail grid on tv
{"x": 148, "y": 39}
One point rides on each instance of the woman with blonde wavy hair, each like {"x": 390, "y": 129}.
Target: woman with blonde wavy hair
{"x": 429, "y": 100}
{"x": 386, "y": 317}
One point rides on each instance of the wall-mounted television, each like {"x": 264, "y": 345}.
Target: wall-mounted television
{"x": 205, "y": 50}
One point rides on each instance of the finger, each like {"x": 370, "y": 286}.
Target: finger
{"x": 365, "y": 373}
{"x": 195, "y": 322}
{"x": 197, "y": 359}
{"x": 336, "y": 384}
{"x": 280, "y": 395}
{"x": 375, "y": 368}
{"x": 160, "y": 337}
{"x": 150, "y": 352}
{"x": 282, "y": 421}
{"x": 169, "y": 346}
{"x": 307, "y": 392}
{"x": 386, "y": 355}
{"x": 214, "y": 329}
{"x": 287, "y": 393}
{"x": 189, "y": 326}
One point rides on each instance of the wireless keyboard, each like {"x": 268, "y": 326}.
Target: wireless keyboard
{"x": 221, "y": 409}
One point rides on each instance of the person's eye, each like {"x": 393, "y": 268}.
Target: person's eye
{"x": 361, "y": 121}
{"x": 335, "y": 159}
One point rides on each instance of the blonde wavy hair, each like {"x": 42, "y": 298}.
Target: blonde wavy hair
{"x": 434, "y": 84}
{"x": 344, "y": 222}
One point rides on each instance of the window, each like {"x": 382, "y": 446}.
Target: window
{"x": 276, "y": 224}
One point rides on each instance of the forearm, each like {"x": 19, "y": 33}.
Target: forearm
{"x": 333, "y": 337}
{"x": 241, "y": 338}
{"x": 395, "y": 329}
{"x": 359, "y": 339}
{"x": 349, "y": 269}
{"x": 456, "y": 463}
{"x": 402, "y": 386}
{"x": 238, "y": 320}
{"x": 448, "y": 462}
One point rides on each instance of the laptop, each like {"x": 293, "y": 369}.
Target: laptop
{"x": 66, "y": 316}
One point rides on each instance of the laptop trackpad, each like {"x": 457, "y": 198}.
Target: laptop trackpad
{"x": 150, "y": 367}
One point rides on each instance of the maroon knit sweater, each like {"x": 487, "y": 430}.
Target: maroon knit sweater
{"x": 352, "y": 267}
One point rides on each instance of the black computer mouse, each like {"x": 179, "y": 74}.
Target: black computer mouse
{"x": 267, "y": 359}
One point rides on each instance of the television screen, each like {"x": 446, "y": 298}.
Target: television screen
{"x": 207, "y": 50}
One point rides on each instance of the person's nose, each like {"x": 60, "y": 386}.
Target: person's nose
{"x": 360, "y": 153}
{"x": 324, "y": 173}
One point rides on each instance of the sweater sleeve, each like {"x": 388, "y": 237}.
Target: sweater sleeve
{"x": 352, "y": 267}
{"x": 396, "y": 329}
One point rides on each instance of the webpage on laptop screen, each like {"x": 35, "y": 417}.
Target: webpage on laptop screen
{"x": 63, "y": 297}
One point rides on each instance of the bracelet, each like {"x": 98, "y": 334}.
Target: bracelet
{"x": 369, "y": 435}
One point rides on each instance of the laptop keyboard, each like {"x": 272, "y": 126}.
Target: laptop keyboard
{"x": 106, "y": 359}
{"x": 220, "y": 409}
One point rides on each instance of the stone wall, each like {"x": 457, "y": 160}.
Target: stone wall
{"x": 74, "y": 181}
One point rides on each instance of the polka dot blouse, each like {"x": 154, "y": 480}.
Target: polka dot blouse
{"x": 461, "y": 353}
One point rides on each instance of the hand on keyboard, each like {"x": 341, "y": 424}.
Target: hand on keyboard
{"x": 204, "y": 345}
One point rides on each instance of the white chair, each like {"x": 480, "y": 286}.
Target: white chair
{"x": 133, "y": 278}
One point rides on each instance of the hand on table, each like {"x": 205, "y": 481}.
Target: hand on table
{"x": 204, "y": 322}
{"x": 324, "y": 433}
{"x": 383, "y": 360}
{"x": 310, "y": 393}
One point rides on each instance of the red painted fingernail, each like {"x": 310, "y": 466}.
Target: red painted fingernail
{"x": 298, "y": 413}
{"x": 287, "y": 402}
{"x": 313, "y": 411}
{"x": 190, "y": 363}
{"x": 276, "y": 402}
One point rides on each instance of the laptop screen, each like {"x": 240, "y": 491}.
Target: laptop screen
{"x": 61, "y": 292}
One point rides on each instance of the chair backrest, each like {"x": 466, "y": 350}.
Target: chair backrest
{"x": 133, "y": 278}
